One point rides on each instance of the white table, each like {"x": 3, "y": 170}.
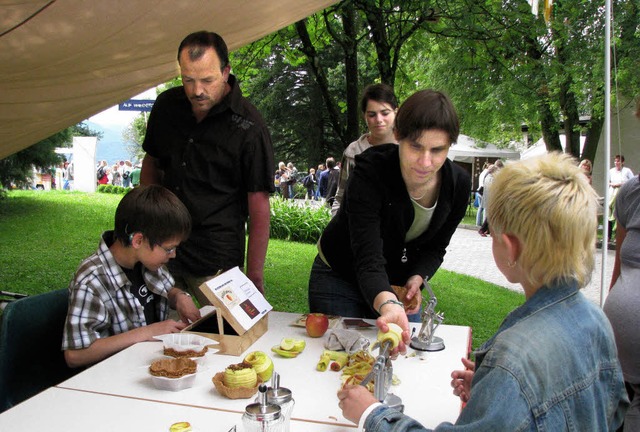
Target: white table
{"x": 123, "y": 380}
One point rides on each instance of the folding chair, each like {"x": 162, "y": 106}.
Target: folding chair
{"x": 6, "y": 297}
{"x": 31, "y": 359}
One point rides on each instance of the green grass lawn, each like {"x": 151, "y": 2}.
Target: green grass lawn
{"x": 45, "y": 235}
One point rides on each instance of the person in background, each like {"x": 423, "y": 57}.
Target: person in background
{"x": 310, "y": 185}
{"x": 319, "y": 171}
{"x": 486, "y": 186}
{"x": 283, "y": 175}
{"x": 552, "y": 365}
{"x": 102, "y": 173}
{"x": 587, "y": 168}
{"x": 323, "y": 179}
{"x": 135, "y": 175}
{"x": 126, "y": 173}
{"x": 623, "y": 302}
{"x": 116, "y": 176}
{"x": 378, "y": 105}
{"x": 393, "y": 229}
{"x": 479, "y": 192}
{"x": 293, "y": 171}
{"x": 618, "y": 175}
{"x": 120, "y": 295}
{"x": 210, "y": 146}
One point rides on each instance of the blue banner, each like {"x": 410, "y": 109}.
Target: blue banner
{"x": 136, "y": 105}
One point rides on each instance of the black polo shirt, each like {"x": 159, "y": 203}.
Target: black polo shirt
{"x": 211, "y": 166}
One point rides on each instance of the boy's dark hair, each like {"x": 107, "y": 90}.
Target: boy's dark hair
{"x": 427, "y": 109}
{"x": 382, "y": 93}
{"x": 196, "y": 44}
{"x": 153, "y": 211}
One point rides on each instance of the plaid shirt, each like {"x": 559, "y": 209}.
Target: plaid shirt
{"x": 100, "y": 300}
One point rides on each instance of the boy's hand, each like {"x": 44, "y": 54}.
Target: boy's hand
{"x": 164, "y": 327}
{"x": 461, "y": 380}
{"x": 187, "y": 309}
{"x": 354, "y": 400}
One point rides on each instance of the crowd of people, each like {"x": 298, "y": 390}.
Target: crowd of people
{"x": 122, "y": 173}
{"x": 205, "y": 184}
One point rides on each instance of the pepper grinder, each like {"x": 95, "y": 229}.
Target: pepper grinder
{"x": 262, "y": 416}
{"x": 282, "y": 397}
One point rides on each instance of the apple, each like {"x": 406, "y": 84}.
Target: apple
{"x": 261, "y": 363}
{"x": 316, "y": 324}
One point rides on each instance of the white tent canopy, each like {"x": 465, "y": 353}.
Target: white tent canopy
{"x": 64, "y": 61}
{"x": 466, "y": 151}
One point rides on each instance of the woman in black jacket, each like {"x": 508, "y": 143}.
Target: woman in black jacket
{"x": 401, "y": 206}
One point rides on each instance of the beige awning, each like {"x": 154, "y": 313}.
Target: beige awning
{"x": 66, "y": 60}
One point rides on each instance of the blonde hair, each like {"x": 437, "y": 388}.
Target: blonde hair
{"x": 548, "y": 204}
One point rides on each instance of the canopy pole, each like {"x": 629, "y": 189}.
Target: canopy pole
{"x": 607, "y": 150}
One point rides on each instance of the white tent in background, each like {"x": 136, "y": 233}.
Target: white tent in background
{"x": 466, "y": 153}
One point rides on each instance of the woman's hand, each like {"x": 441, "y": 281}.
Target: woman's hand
{"x": 354, "y": 400}
{"x": 393, "y": 313}
{"x": 461, "y": 380}
{"x": 413, "y": 285}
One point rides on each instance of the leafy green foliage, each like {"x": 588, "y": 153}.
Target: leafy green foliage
{"x": 295, "y": 222}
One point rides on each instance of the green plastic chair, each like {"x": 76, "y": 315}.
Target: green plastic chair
{"x": 31, "y": 359}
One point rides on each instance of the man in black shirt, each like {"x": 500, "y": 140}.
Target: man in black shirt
{"x": 211, "y": 147}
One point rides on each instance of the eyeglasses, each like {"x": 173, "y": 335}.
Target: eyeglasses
{"x": 169, "y": 251}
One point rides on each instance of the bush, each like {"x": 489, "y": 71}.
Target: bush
{"x": 295, "y": 222}
{"x": 108, "y": 188}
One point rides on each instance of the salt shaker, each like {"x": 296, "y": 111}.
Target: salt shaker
{"x": 282, "y": 397}
{"x": 262, "y": 416}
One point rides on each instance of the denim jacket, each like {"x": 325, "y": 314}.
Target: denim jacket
{"x": 552, "y": 366}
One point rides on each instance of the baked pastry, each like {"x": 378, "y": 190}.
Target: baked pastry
{"x": 401, "y": 292}
{"x": 173, "y": 368}
{"x": 187, "y": 352}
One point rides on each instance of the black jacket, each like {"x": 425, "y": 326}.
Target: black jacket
{"x": 365, "y": 243}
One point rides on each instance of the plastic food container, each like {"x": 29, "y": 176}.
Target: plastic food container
{"x": 186, "y": 342}
{"x": 174, "y": 384}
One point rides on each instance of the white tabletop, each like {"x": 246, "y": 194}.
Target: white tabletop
{"x": 123, "y": 380}
{"x": 424, "y": 388}
{"x": 63, "y": 410}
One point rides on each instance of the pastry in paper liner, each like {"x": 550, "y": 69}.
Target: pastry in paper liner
{"x": 401, "y": 292}
{"x": 234, "y": 392}
{"x": 184, "y": 344}
{"x": 173, "y": 368}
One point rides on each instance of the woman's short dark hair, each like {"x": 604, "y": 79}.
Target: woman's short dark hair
{"x": 196, "y": 44}
{"x": 382, "y": 93}
{"x": 153, "y": 211}
{"x": 427, "y": 109}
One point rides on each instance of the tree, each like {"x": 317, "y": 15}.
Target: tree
{"x": 17, "y": 169}
{"x": 530, "y": 72}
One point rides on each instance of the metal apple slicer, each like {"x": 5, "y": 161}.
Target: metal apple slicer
{"x": 425, "y": 340}
{"x": 382, "y": 376}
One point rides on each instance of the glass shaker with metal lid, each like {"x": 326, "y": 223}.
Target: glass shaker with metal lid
{"x": 282, "y": 397}
{"x": 262, "y": 416}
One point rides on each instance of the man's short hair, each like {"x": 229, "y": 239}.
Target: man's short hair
{"x": 548, "y": 203}
{"x": 196, "y": 44}
{"x": 153, "y": 211}
{"x": 621, "y": 157}
{"x": 425, "y": 110}
{"x": 331, "y": 163}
